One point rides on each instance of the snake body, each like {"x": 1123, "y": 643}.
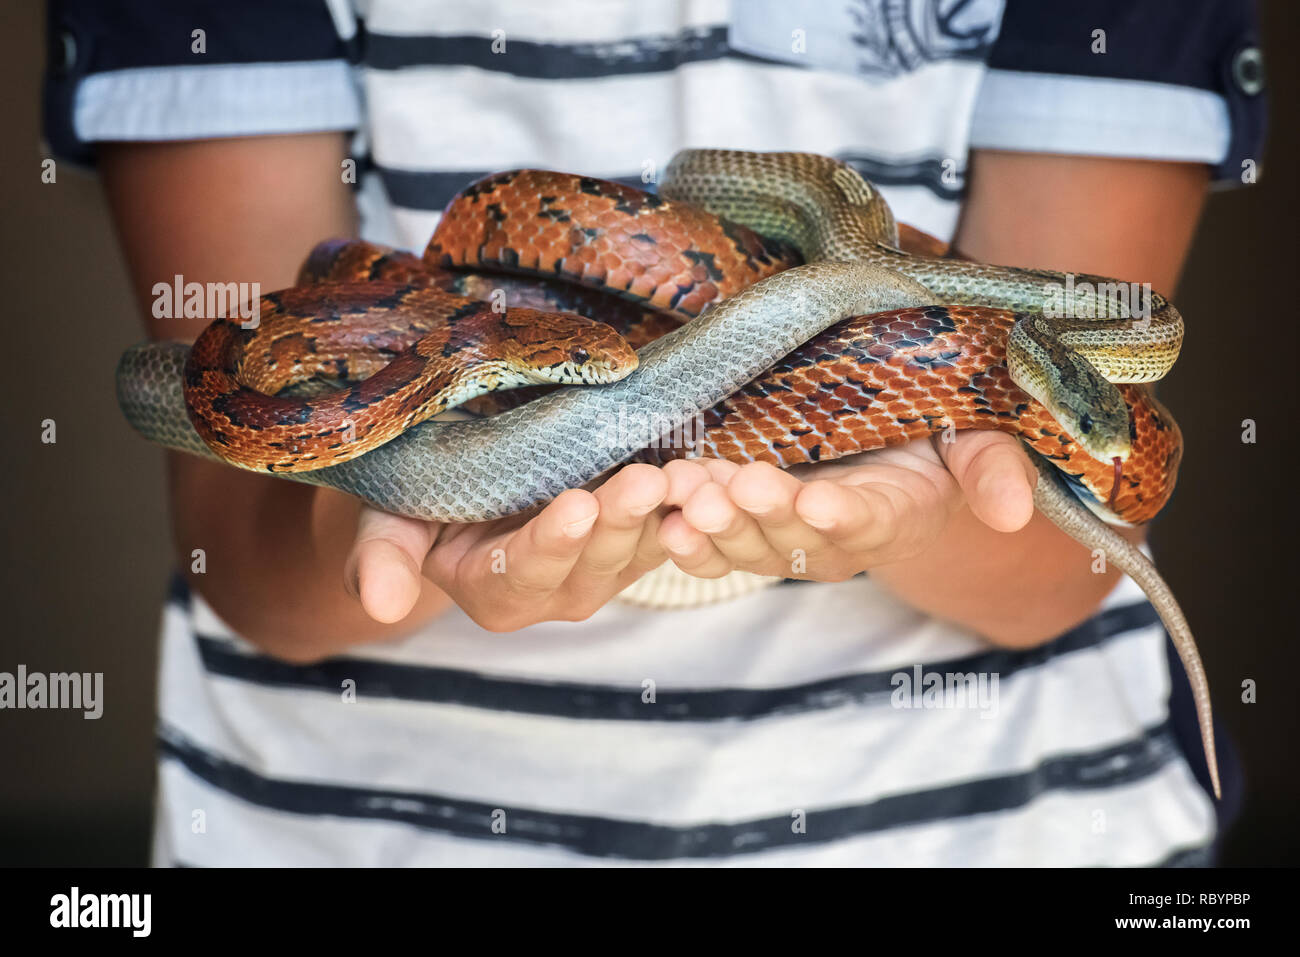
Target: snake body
{"x": 1070, "y": 363}
{"x": 416, "y": 350}
{"x": 961, "y": 345}
{"x": 882, "y": 380}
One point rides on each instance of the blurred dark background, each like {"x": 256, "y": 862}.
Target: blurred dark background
{"x": 87, "y": 551}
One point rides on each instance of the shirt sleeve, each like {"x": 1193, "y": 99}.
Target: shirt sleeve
{"x": 138, "y": 70}
{"x": 1151, "y": 80}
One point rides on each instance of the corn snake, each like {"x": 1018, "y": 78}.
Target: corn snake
{"x": 946, "y": 344}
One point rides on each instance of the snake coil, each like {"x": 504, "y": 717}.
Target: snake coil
{"x": 1073, "y": 393}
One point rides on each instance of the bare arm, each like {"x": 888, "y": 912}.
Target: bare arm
{"x": 248, "y": 210}
{"x": 1129, "y": 219}
{"x": 286, "y": 563}
{"x": 949, "y": 527}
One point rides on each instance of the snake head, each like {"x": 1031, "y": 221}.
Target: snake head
{"x": 1104, "y": 431}
{"x": 1087, "y": 406}
{"x": 544, "y": 347}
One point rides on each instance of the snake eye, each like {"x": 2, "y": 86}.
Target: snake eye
{"x": 580, "y": 355}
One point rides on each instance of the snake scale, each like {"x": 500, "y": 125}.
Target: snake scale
{"x": 862, "y": 346}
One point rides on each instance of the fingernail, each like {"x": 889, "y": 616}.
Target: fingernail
{"x": 820, "y": 523}
{"x": 638, "y": 510}
{"x": 579, "y": 528}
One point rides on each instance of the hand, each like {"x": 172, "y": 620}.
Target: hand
{"x": 830, "y": 521}
{"x": 563, "y": 563}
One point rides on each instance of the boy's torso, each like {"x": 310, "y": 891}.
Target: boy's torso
{"x": 802, "y": 724}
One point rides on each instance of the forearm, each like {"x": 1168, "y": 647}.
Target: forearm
{"x": 274, "y": 560}
{"x": 1016, "y": 589}
{"x": 274, "y": 552}
{"x": 1023, "y": 588}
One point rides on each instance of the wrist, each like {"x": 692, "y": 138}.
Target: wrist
{"x": 1018, "y": 589}
{"x": 268, "y": 557}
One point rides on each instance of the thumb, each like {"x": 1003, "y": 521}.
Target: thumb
{"x": 383, "y": 568}
{"x": 995, "y": 476}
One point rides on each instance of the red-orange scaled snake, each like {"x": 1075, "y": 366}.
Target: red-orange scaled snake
{"x": 862, "y": 347}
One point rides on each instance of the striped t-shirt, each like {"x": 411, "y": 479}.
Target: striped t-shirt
{"x": 802, "y": 724}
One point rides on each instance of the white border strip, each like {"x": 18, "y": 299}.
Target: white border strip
{"x": 1050, "y": 113}
{"x": 490, "y": 120}
{"x": 1144, "y": 823}
{"x": 586, "y": 21}
{"x": 197, "y": 102}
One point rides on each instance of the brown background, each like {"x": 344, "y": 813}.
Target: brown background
{"x": 86, "y": 558}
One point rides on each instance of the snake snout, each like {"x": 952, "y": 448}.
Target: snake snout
{"x": 1103, "y": 434}
{"x": 554, "y": 348}
{"x": 596, "y": 362}
{"x": 585, "y": 368}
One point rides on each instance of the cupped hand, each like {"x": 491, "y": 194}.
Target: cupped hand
{"x": 830, "y": 521}
{"x": 562, "y": 563}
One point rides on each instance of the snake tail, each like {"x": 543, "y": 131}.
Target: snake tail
{"x": 1054, "y": 499}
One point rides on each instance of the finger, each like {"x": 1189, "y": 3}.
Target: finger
{"x": 720, "y": 470}
{"x": 649, "y": 554}
{"x": 684, "y": 476}
{"x": 768, "y": 494}
{"x": 765, "y": 491}
{"x": 995, "y": 475}
{"x": 383, "y": 567}
{"x": 626, "y": 502}
{"x": 690, "y": 549}
{"x": 733, "y": 532}
{"x": 856, "y": 518}
{"x": 540, "y": 556}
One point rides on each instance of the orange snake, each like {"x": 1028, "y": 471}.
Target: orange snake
{"x": 884, "y": 358}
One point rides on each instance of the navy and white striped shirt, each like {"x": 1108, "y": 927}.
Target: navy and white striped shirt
{"x": 795, "y": 725}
